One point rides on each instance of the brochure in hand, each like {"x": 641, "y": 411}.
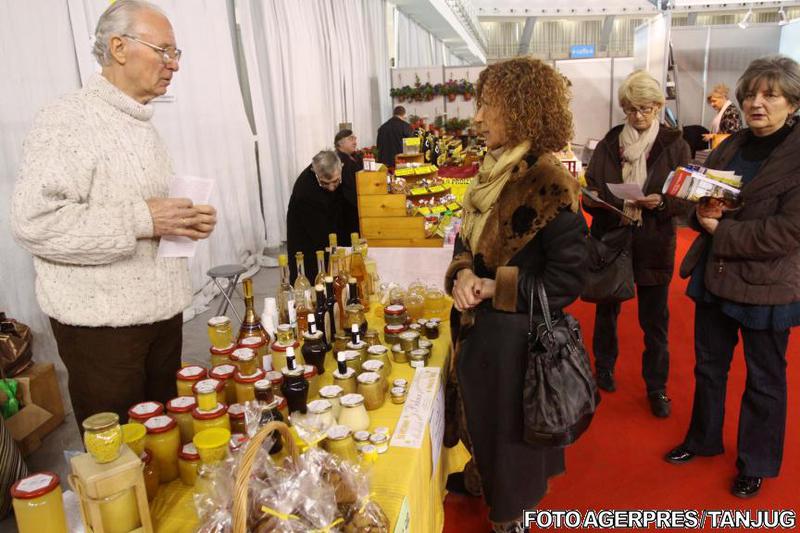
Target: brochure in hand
{"x": 693, "y": 183}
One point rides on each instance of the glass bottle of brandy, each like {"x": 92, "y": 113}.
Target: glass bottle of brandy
{"x": 251, "y": 325}
{"x": 287, "y": 311}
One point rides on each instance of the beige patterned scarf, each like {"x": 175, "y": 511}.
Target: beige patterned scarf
{"x": 635, "y": 147}
{"x": 486, "y": 187}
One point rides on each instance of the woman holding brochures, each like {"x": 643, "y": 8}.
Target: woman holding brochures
{"x": 745, "y": 277}
{"x": 639, "y": 154}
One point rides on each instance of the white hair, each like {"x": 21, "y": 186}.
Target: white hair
{"x": 326, "y": 163}
{"x": 118, "y": 19}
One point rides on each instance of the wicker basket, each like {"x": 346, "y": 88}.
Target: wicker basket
{"x": 246, "y": 467}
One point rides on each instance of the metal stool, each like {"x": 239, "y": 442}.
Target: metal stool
{"x": 231, "y": 273}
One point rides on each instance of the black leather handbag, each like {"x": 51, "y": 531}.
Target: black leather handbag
{"x": 610, "y": 267}
{"x": 559, "y": 395}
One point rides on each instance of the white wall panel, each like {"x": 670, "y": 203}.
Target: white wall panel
{"x": 591, "y": 96}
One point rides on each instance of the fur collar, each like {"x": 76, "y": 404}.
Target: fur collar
{"x": 537, "y": 190}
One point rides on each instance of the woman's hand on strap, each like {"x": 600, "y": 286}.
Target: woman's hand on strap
{"x": 466, "y": 290}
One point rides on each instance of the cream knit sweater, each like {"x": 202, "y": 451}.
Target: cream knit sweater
{"x": 88, "y": 165}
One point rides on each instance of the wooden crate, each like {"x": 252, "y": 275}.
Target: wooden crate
{"x": 402, "y": 227}
{"x": 409, "y": 158}
{"x": 371, "y": 182}
{"x": 380, "y": 205}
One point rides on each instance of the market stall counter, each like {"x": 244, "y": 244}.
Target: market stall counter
{"x": 407, "y": 480}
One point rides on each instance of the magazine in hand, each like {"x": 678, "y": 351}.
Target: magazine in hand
{"x": 594, "y": 197}
{"x": 693, "y": 183}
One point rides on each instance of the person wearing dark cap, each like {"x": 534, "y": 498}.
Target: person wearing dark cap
{"x": 346, "y": 144}
{"x": 391, "y": 134}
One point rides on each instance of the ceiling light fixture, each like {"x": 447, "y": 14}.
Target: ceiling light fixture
{"x": 745, "y": 22}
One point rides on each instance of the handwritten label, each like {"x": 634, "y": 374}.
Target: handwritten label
{"x": 410, "y": 430}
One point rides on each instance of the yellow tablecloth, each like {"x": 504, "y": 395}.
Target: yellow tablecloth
{"x": 402, "y": 478}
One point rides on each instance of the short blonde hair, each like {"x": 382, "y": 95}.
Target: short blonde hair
{"x": 640, "y": 89}
{"x": 720, "y": 90}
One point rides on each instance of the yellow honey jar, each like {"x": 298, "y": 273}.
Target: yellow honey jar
{"x": 224, "y": 373}
{"x": 180, "y": 409}
{"x": 209, "y": 392}
{"x": 102, "y": 436}
{"x": 187, "y": 376}
{"x": 38, "y": 506}
{"x": 188, "y": 462}
{"x": 215, "y": 418}
{"x": 164, "y": 441}
{"x": 142, "y": 411}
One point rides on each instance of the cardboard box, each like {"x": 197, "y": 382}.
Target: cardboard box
{"x": 42, "y": 411}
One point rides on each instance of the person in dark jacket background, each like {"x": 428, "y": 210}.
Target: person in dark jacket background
{"x": 391, "y": 135}
{"x": 641, "y": 151}
{"x": 315, "y": 210}
{"x": 346, "y": 144}
{"x": 522, "y": 222}
{"x": 745, "y": 278}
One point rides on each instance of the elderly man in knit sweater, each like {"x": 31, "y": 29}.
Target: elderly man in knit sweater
{"x": 90, "y": 205}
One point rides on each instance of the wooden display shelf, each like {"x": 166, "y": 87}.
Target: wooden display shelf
{"x": 383, "y": 219}
{"x": 409, "y": 158}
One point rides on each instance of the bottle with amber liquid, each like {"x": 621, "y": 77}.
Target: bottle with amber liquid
{"x": 287, "y": 310}
{"x": 301, "y": 284}
{"x": 358, "y": 270}
{"x": 339, "y": 285}
{"x": 251, "y": 325}
{"x": 321, "y": 270}
{"x": 333, "y": 249}
{"x": 303, "y": 308}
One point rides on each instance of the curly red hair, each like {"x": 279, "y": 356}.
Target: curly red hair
{"x": 533, "y": 99}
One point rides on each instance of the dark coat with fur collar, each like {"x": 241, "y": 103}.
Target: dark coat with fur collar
{"x": 654, "y": 240}
{"x": 535, "y": 230}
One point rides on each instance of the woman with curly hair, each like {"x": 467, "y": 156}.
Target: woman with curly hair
{"x": 521, "y": 223}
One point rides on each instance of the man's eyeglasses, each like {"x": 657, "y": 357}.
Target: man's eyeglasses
{"x": 167, "y": 54}
{"x": 643, "y": 111}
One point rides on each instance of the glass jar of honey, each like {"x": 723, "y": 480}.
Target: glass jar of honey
{"x": 380, "y": 441}
{"x": 209, "y": 392}
{"x": 224, "y": 373}
{"x": 395, "y": 315}
{"x": 164, "y": 441}
{"x": 215, "y": 418}
{"x": 258, "y": 345}
{"x": 188, "y": 463}
{"x": 415, "y": 306}
{"x": 398, "y": 395}
{"x": 102, "y": 436}
{"x": 409, "y": 340}
{"x": 340, "y": 342}
{"x": 398, "y": 354}
{"x": 379, "y": 352}
{"x": 142, "y": 411}
{"x": 418, "y": 358}
{"x": 378, "y": 368}
{"x": 397, "y": 296}
{"x": 245, "y": 385}
{"x": 391, "y": 333}
{"x": 236, "y": 415}
{"x": 38, "y": 507}
{"x": 432, "y": 330}
{"x": 222, "y": 356}
{"x": 353, "y": 414}
{"x": 245, "y": 360}
{"x": 352, "y": 358}
{"x": 180, "y": 409}
{"x": 263, "y": 391}
{"x": 320, "y": 415}
{"x": 150, "y": 474}
{"x": 275, "y": 378}
{"x": 340, "y": 442}
{"x": 314, "y": 350}
{"x": 346, "y": 380}
{"x": 354, "y": 314}
{"x": 371, "y": 388}
{"x": 133, "y": 435}
{"x": 371, "y": 338}
{"x": 220, "y": 331}
{"x": 333, "y": 394}
{"x": 187, "y": 377}
{"x": 361, "y": 439}
{"x": 435, "y": 305}
{"x": 285, "y": 335}
{"x": 426, "y": 345}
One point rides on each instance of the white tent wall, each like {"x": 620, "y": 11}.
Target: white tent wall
{"x": 311, "y": 65}
{"x": 417, "y": 47}
{"x": 706, "y": 56}
{"x": 37, "y": 59}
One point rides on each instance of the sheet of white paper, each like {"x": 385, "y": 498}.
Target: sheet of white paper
{"x": 409, "y": 432}
{"x": 626, "y": 191}
{"x": 198, "y": 190}
{"x": 437, "y": 429}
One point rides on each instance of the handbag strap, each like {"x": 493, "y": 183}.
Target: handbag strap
{"x": 541, "y": 293}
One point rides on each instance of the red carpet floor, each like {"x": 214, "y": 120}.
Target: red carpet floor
{"x": 618, "y": 463}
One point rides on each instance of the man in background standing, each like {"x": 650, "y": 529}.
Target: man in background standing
{"x": 391, "y": 135}
{"x": 346, "y": 144}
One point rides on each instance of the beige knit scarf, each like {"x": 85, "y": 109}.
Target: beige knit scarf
{"x": 486, "y": 187}
{"x": 635, "y": 147}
